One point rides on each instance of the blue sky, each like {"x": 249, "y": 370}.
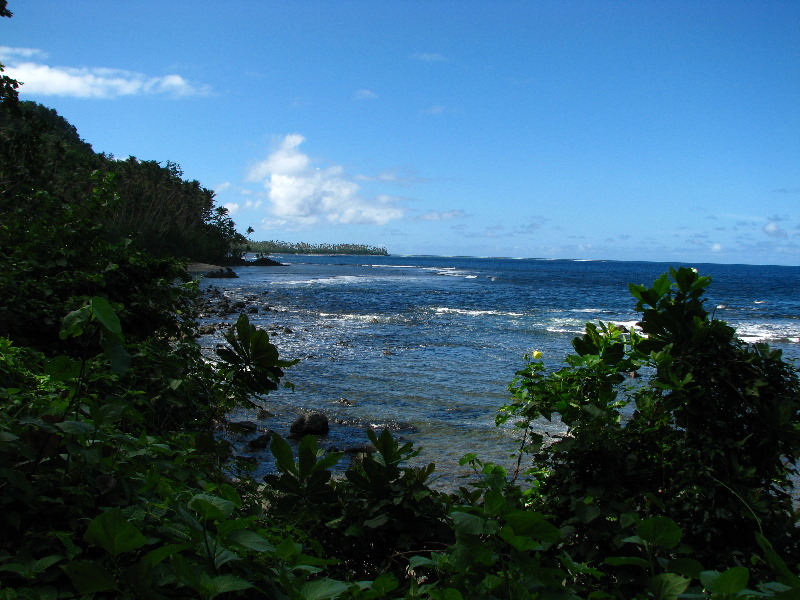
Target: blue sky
{"x": 664, "y": 131}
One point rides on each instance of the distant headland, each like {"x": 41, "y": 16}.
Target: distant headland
{"x": 275, "y": 247}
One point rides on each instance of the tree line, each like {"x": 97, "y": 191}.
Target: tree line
{"x": 277, "y": 247}
{"x": 45, "y": 165}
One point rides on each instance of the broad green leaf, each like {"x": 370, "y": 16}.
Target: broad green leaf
{"x": 154, "y": 557}
{"x": 452, "y": 594}
{"x": 76, "y": 427}
{"x": 287, "y": 550}
{"x": 421, "y": 561}
{"x": 532, "y": 524}
{"x": 709, "y": 579}
{"x": 307, "y": 455}
{"x": 688, "y": 567}
{"x": 211, "y": 507}
{"x": 107, "y": 317}
{"x": 73, "y": 324}
{"x": 250, "y": 539}
{"x": 777, "y": 563}
{"x": 62, "y": 368}
{"x": 381, "y": 519}
{"x": 322, "y": 589}
{"x": 660, "y": 531}
{"x": 112, "y": 532}
{"x": 471, "y": 524}
{"x": 283, "y": 455}
{"x": 732, "y": 581}
{"x": 45, "y": 563}
{"x": 119, "y": 359}
{"x": 523, "y": 543}
{"x": 225, "y": 583}
{"x": 89, "y": 577}
{"x": 667, "y": 586}
{"x": 384, "y": 584}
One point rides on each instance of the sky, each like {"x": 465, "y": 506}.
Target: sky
{"x": 647, "y": 130}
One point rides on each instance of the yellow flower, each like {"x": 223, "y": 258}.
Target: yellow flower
{"x": 537, "y": 354}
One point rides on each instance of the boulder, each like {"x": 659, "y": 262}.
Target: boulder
{"x": 266, "y": 262}
{"x": 259, "y": 443}
{"x": 310, "y": 424}
{"x": 227, "y": 273}
{"x": 241, "y": 427}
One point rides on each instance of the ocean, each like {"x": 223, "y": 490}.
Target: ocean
{"x": 427, "y": 345}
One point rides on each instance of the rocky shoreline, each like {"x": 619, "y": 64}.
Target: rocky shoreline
{"x": 248, "y": 432}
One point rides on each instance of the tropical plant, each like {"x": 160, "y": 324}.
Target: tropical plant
{"x": 708, "y": 435}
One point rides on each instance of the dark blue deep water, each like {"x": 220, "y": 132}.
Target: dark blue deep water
{"x": 428, "y": 345}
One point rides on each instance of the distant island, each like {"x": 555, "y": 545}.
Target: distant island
{"x": 275, "y": 247}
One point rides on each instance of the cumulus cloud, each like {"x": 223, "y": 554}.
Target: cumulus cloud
{"x": 364, "y": 95}
{"x": 772, "y": 229}
{"x": 24, "y": 65}
{"x": 301, "y": 195}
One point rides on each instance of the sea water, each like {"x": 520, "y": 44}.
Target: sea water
{"x": 427, "y": 345}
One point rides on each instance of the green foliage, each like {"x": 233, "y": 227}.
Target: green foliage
{"x": 709, "y": 438}
{"x": 251, "y": 361}
{"x": 170, "y": 216}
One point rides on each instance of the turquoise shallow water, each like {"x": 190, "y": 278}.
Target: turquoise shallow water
{"x": 428, "y": 345}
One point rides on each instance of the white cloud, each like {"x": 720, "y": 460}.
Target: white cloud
{"x": 287, "y": 159}
{"x": 365, "y": 95}
{"x": 301, "y": 195}
{"x": 429, "y": 57}
{"x": 433, "y": 215}
{"x": 89, "y": 82}
{"x": 773, "y": 230}
{"x": 716, "y": 247}
{"x": 15, "y": 54}
{"x": 390, "y": 176}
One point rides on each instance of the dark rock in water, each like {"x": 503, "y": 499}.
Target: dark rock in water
{"x": 266, "y": 262}
{"x": 260, "y": 442}
{"x": 239, "y": 304}
{"x": 263, "y": 413}
{"x": 310, "y": 424}
{"x": 240, "y": 427}
{"x": 226, "y": 273}
{"x": 253, "y": 310}
{"x": 343, "y": 402}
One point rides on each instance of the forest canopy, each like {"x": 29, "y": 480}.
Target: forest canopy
{"x": 41, "y": 154}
